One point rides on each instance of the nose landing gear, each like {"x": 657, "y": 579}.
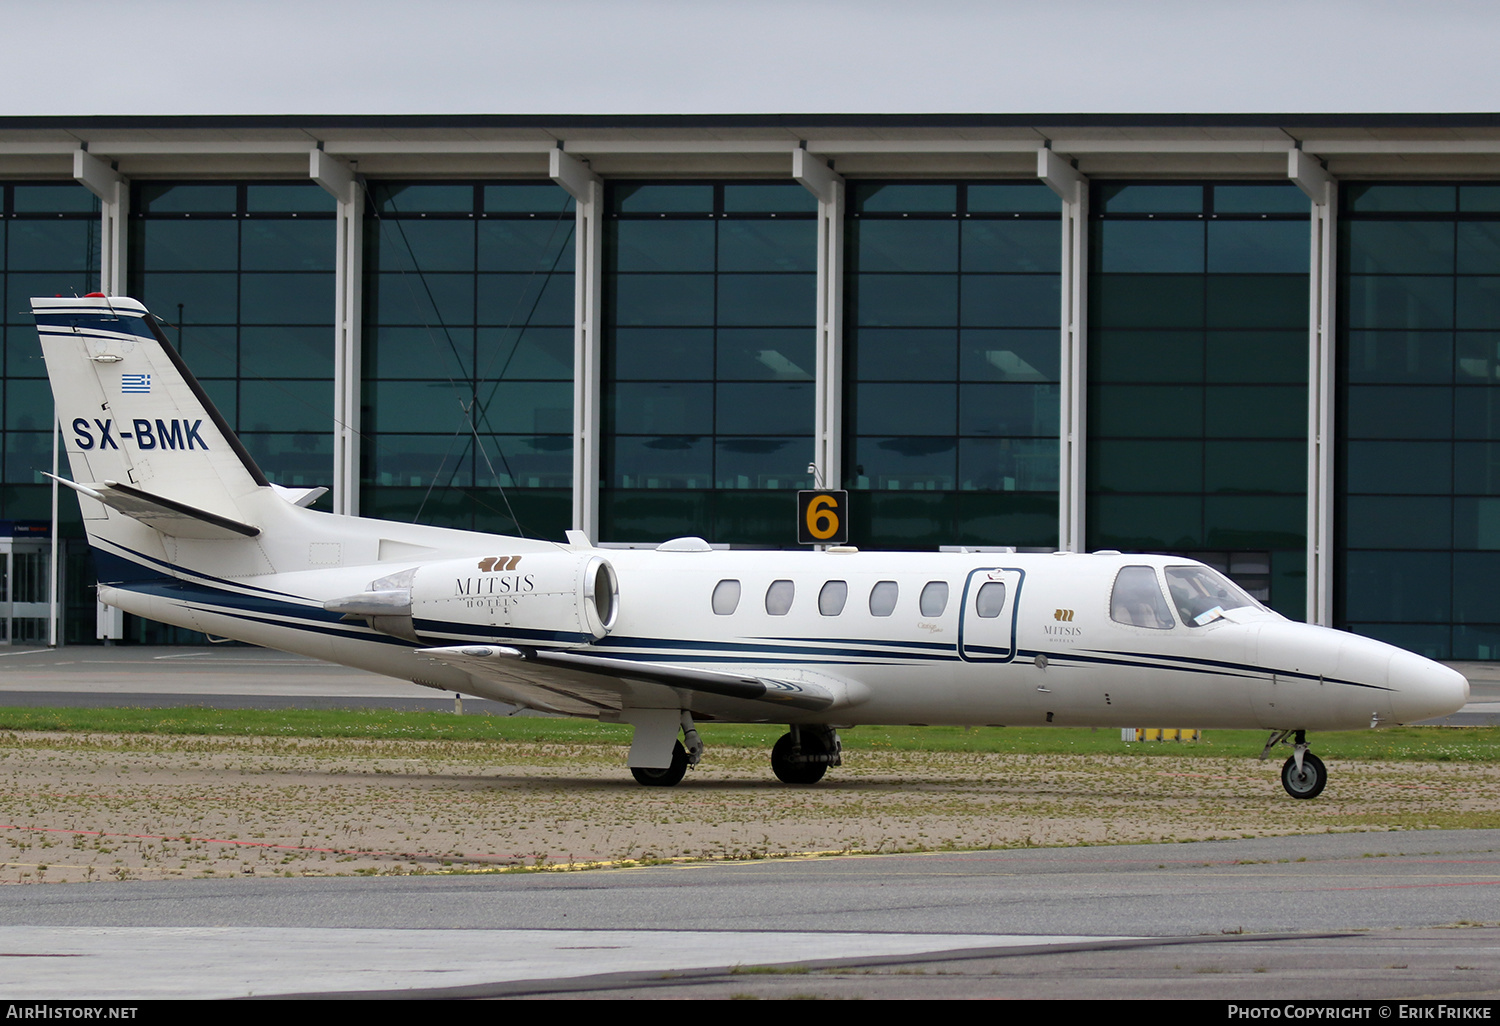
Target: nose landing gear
{"x": 1303, "y": 775}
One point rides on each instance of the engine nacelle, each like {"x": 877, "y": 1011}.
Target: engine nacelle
{"x": 547, "y": 599}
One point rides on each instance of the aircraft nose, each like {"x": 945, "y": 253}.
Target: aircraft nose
{"x": 1423, "y": 689}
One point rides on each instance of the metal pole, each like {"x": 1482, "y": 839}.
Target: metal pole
{"x": 52, "y": 610}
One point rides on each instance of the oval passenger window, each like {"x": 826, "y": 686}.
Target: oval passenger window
{"x": 726, "y": 597}
{"x": 779, "y": 597}
{"x": 934, "y": 598}
{"x": 990, "y": 602}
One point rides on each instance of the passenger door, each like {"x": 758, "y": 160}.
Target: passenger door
{"x": 987, "y": 621}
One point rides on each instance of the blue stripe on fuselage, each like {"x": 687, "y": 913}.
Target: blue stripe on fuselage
{"x": 273, "y": 608}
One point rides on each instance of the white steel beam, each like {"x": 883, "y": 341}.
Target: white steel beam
{"x": 113, "y": 189}
{"x": 1322, "y": 189}
{"x": 335, "y": 176}
{"x": 1149, "y": 145}
{"x": 1073, "y": 188}
{"x": 678, "y": 147}
{"x": 572, "y": 173}
{"x": 925, "y": 145}
{"x": 1308, "y": 175}
{"x": 814, "y": 174}
{"x": 587, "y": 190}
{"x": 198, "y": 147}
{"x": 56, "y": 148}
{"x": 438, "y": 147}
{"x": 339, "y": 179}
{"x": 1402, "y": 147}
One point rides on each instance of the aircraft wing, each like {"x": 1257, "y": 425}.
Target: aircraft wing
{"x": 589, "y": 684}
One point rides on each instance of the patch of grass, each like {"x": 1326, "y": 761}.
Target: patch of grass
{"x": 1398, "y": 744}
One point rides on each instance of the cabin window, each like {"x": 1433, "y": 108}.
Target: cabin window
{"x": 883, "y": 598}
{"x": 726, "y": 597}
{"x": 1201, "y": 595}
{"x": 1137, "y": 600}
{"x": 990, "y": 602}
{"x": 779, "y": 597}
{"x": 832, "y": 598}
{"x": 935, "y": 598}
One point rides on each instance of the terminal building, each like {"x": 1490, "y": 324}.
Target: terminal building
{"x": 1268, "y": 342}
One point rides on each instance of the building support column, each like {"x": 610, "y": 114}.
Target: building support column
{"x": 1062, "y": 178}
{"x": 815, "y": 175}
{"x": 113, "y": 189}
{"x": 339, "y": 180}
{"x": 1311, "y": 177}
{"x": 587, "y": 190}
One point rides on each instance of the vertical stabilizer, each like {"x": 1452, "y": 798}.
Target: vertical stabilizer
{"x": 137, "y": 427}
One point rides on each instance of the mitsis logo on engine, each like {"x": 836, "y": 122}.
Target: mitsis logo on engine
{"x": 498, "y": 579}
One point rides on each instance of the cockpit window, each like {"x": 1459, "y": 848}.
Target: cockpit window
{"x": 1201, "y": 595}
{"x": 1137, "y": 600}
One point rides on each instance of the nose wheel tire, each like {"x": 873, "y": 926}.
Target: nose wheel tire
{"x": 669, "y": 776}
{"x": 1309, "y": 783}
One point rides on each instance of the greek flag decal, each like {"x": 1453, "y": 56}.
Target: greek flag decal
{"x": 137, "y": 383}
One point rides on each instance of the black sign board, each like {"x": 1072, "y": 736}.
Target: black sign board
{"x": 823, "y": 517}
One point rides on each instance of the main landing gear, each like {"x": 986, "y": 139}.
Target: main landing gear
{"x": 669, "y": 776}
{"x": 800, "y": 756}
{"x": 1303, "y": 774}
{"x": 804, "y": 754}
{"x": 683, "y": 756}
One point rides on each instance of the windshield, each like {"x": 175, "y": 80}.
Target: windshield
{"x": 1201, "y": 595}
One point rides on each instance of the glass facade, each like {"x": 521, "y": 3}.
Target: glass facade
{"x": 1197, "y": 367}
{"x": 49, "y": 246}
{"x": 1198, "y": 308}
{"x": 1418, "y": 473}
{"x": 468, "y": 358}
{"x": 708, "y": 397}
{"x": 242, "y": 275}
{"x": 951, "y": 363}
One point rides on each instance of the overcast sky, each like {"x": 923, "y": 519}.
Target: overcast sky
{"x": 749, "y": 56}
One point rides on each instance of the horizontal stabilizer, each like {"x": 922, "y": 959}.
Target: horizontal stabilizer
{"x": 167, "y": 516}
{"x": 300, "y": 496}
{"x": 560, "y": 668}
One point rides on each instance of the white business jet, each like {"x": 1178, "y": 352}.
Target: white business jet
{"x": 187, "y": 530}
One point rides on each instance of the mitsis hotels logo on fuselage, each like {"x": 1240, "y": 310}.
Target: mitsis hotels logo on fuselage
{"x": 1063, "y": 628}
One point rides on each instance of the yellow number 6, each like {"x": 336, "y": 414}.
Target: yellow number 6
{"x": 822, "y": 522}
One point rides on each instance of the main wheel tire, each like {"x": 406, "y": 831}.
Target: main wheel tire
{"x": 789, "y": 772}
{"x": 1310, "y": 782}
{"x": 669, "y": 776}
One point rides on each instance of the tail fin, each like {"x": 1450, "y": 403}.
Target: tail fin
{"x": 141, "y": 435}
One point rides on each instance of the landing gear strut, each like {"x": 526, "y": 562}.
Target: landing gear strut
{"x": 1303, "y": 775}
{"x": 804, "y": 754}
